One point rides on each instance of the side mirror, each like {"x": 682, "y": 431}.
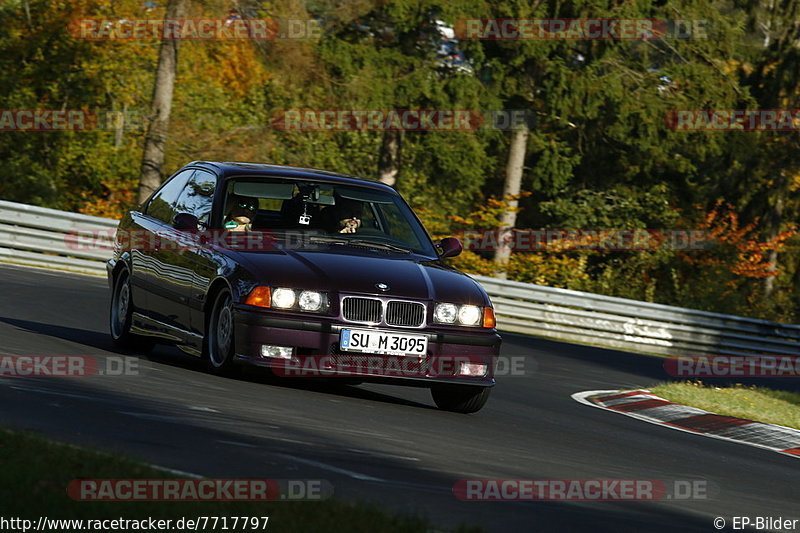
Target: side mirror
{"x": 450, "y": 247}
{"x": 185, "y": 221}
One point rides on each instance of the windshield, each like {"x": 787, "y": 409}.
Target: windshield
{"x": 324, "y": 213}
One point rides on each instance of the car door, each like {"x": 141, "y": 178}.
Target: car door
{"x": 157, "y": 272}
{"x": 201, "y": 256}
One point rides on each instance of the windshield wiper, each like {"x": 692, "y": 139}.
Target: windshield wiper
{"x": 385, "y": 245}
{"x": 361, "y": 242}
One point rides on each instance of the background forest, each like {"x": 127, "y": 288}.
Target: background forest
{"x": 598, "y": 153}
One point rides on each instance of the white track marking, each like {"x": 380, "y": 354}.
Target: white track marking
{"x": 330, "y": 468}
{"x": 583, "y": 397}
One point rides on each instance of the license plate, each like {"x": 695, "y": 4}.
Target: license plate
{"x": 383, "y": 342}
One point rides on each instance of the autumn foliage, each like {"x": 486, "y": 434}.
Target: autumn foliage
{"x": 599, "y": 156}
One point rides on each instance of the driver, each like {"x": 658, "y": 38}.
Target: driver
{"x": 241, "y": 213}
{"x": 344, "y": 217}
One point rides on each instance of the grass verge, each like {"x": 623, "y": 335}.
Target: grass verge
{"x": 34, "y": 474}
{"x": 742, "y": 401}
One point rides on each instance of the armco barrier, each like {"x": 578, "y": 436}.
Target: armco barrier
{"x": 38, "y": 236}
{"x": 630, "y": 324}
{"x": 41, "y": 237}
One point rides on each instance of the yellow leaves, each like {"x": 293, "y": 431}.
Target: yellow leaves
{"x": 794, "y": 181}
{"x": 488, "y": 216}
{"x": 435, "y": 222}
{"x": 546, "y": 268}
{"x": 738, "y": 250}
{"x": 474, "y": 264}
{"x": 732, "y": 66}
{"x": 769, "y": 67}
{"x": 114, "y": 204}
{"x": 234, "y": 66}
{"x": 554, "y": 270}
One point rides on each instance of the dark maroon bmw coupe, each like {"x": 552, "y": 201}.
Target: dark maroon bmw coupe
{"x": 307, "y": 272}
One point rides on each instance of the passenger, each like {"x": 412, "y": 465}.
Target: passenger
{"x": 241, "y": 213}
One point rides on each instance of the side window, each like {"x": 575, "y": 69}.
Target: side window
{"x": 368, "y": 219}
{"x": 397, "y": 226}
{"x": 198, "y": 196}
{"x": 162, "y": 206}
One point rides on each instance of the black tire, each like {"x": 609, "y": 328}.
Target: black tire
{"x": 460, "y": 398}
{"x": 219, "y": 345}
{"x": 120, "y": 315}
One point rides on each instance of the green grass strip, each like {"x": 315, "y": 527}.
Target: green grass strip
{"x": 742, "y": 401}
{"x": 34, "y": 474}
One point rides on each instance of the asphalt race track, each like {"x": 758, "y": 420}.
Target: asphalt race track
{"x": 381, "y": 443}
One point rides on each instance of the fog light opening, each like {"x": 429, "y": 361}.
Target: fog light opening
{"x": 276, "y": 352}
{"x": 472, "y": 369}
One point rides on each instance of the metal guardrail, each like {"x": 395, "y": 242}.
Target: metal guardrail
{"x": 37, "y": 236}
{"x": 55, "y": 239}
{"x": 630, "y": 324}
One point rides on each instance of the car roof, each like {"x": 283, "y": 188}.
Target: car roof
{"x": 234, "y": 169}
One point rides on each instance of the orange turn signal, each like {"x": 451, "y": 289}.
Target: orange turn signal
{"x": 488, "y": 317}
{"x": 259, "y": 296}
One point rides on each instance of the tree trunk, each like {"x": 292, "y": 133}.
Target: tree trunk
{"x": 153, "y": 158}
{"x": 389, "y": 158}
{"x": 119, "y": 125}
{"x": 776, "y": 220}
{"x": 511, "y": 190}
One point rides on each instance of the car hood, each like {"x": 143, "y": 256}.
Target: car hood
{"x": 408, "y": 276}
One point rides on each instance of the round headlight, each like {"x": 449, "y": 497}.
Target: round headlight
{"x": 283, "y": 298}
{"x": 310, "y": 301}
{"x": 469, "y": 315}
{"x": 445, "y": 313}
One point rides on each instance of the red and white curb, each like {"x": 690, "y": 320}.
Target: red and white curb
{"x": 645, "y": 405}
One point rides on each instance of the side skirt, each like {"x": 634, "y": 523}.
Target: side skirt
{"x": 190, "y": 343}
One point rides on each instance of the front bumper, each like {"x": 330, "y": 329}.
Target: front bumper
{"x": 317, "y": 353}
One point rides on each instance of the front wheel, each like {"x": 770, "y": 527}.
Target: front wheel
{"x": 220, "y": 336}
{"x": 120, "y": 317}
{"x": 460, "y": 398}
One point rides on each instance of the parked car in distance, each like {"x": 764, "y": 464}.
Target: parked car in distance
{"x": 307, "y": 272}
